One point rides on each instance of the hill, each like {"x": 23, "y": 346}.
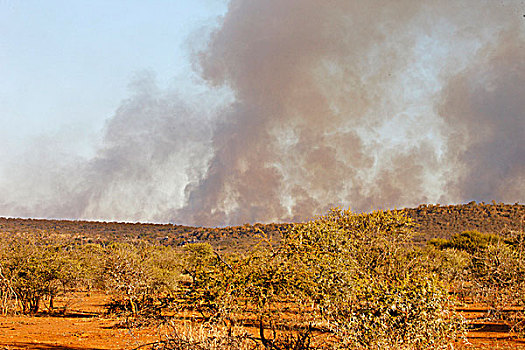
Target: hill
{"x": 230, "y": 238}
{"x": 431, "y": 221}
{"x": 436, "y": 221}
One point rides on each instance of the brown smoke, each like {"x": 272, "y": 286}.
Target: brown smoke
{"x": 484, "y": 110}
{"x": 367, "y": 104}
{"x": 311, "y": 81}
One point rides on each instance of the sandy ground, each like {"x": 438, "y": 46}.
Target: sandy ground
{"x": 82, "y": 328}
{"x": 66, "y": 333}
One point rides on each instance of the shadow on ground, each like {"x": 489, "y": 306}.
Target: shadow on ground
{"x": 41, "y": 346}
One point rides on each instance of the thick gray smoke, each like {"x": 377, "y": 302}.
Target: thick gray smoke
{"x": 367, "y": 104}
{"x": 138, "y": 173}
{"x": 484, "y": 111}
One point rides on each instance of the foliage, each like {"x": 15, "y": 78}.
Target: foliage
{"x": 192, "y": 337}
{"x": 445, "y": 220}
{"x": 141, "y": 277}
{"x": 34, "y": 267}
{"x": 487, "y": 269}
{"x": 450, "y": 265}
{"x": 8, "y": 296}
{"x": 343, "y": 280}
{"x": 354, "y": 275}
{"x": 369, "y": 285}
{"x": 431, "y": 221}
{"x": 469, "y": 241}
{"x": 85, "y": 266}
{"x": 498, "y": 277}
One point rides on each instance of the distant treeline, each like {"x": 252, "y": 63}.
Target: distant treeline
{"x": 436, "y": 221}
{"x": 432, "y": 221}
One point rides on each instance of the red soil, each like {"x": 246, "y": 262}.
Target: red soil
{"x": 83, "y": 327}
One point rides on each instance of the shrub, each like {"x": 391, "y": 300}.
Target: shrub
{"x": 488, "y": 268}
{"x": 369, "y": 285}
{"x": 498, "y": 276}
{"x": 8, "y": 297}
{"x": 469, "y": 241}
{"x": 209, "y": 289}
{"x": 142, "y": 281}
{"x": 355, "y": 276}
{"x": 34, "y": 267}
{"x": 205, "y": 338}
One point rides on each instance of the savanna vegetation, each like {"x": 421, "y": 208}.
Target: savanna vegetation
{"x": 430, "y": 221}
{"x": 341, "y": 281}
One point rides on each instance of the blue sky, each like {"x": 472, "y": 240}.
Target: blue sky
{"x": 67, "y": 64}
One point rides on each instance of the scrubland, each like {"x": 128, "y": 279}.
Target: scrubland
{"x": 341, "y": 281}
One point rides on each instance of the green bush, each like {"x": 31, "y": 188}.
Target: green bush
{"x": 487, "y": 269}
{"x": 355, "y": 276}
{"x": 142, "y": 278}
{"x": 469, "y": 241}
{"x": 34, "y": 267}
{"x": 369, "y": 285}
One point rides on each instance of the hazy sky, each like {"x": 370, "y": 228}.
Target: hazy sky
{"x": 210, "y": 112}
{"x": 67, "y": 64}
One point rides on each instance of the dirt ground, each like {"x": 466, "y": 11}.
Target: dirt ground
{"x": 83, "y": 327}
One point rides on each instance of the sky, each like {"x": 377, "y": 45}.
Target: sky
{"x": 68, "y": 64}
{"x": 213, "y": 113}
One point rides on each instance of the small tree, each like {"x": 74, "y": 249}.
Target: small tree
{"x": 8, "y": 297}
{"x": 34, "y": 267}
{"x": 368, "y": 284}
{"x": 355, "y": 276}
{"x": 141, "y": 279}
{"x": 198, "y": 258}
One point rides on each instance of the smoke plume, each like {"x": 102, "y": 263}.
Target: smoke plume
{"x": 309, "y": 105}
{"x": 484, "y": 110}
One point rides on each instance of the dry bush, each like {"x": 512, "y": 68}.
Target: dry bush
{"x": 498, "y": 275}
{"x": 33, "y": 267}
{"x": 370, "y": 285}
{"x": 8, "y": 297}
{"x": 142, "y": 279}
{"x": 204, "y": 292}
{"x": 469, "y": 241}
{"x": 491, "y": 270}
{"x": 452, "y": 267}
{"x": 213, "y": 337}
{"x": 354, "y": 277}
{"x": 204, "y": 337}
